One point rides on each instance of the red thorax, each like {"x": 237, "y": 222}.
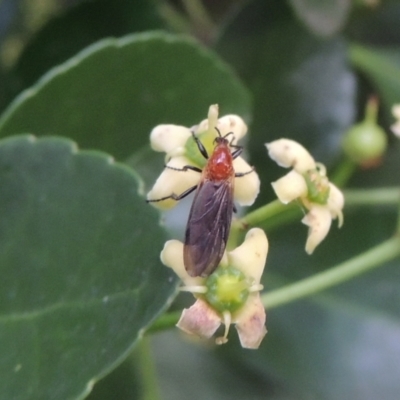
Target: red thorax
{"x": 219, "y": 166}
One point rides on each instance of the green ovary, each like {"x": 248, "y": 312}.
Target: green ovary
{"x": 192, "y": 151}
{"x": 228, "y": 289}
{"x": 317, "y": 186}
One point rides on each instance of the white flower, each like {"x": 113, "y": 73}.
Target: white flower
{"x": 229, "y": 295}
{"x": 308, "y": 183}
{"x": 396, "y": 126}
{"x": 174, "y": 141}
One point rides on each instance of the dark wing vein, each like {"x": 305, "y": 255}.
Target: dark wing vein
{"x": 208, "y": 227}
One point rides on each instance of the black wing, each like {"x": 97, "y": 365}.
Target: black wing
{"x": 208, "y": 227}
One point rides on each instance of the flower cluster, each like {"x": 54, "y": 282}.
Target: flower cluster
{"x": 229, "y": 295}
{"x": 181, "y": 150}
{"x": 307, "y": 182}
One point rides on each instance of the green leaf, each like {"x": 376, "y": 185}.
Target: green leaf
{"x": 113, "y": 93}
{"x": 381, "y": 65}
{"x": 325, "y": 17}
{"x": 78, "y": 27}
{"x": 79, "y": 261}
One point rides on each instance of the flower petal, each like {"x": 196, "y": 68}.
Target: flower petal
{"x": 232, "y": 123}
{"x": 172, "y": 256}
{"x": 200, "y": 320}
{"x": 167, "y": 138}
{"x": 396, "y": 111}
{"x": 319, "y": 221}
{"x": 250, "y": 322}
{"x": 171, "y": 181}
{"x": 396, "y": 129}
{"x": 396, "y": 126}
{"x": 226, "y": 124}
{"x": 251, "y": 255}
{"x": 290, "y": 187}
{"x": 336, "y": 203}
{"x": 247, "y": 187}
{"x": 288, "y": 153}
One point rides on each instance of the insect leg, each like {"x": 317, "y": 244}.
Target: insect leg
{"x": 240, "y": 174}
{"x": 237, "y": 152}
{"x": 185, "y": 168}
{"x": 174, "y": 196}
{"x": 200, "y": 146}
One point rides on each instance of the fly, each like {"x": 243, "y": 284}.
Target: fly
{"x": 210, "y": 216}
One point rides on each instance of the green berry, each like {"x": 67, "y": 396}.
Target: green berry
{"x": 365, "y": 142}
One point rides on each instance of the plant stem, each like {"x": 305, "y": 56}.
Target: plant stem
{"x": 349, "y": 269}
{"x": 150, "y": 390}
{"x": 343, "y": 172}
{"x": 176, "y": 20}
{"x": 382, "y": 196}
{"x": 261, "y": 214}
{"x": 165, "y": 321}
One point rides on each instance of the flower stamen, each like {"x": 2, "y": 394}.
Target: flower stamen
{"x": 227, "y": 320}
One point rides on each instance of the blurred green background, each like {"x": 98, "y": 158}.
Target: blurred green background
{"x": 301, "y": 69}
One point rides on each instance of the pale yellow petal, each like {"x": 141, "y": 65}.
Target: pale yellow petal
{"x": 251, "y": 255}
{"x": 290, "y": 187}
{"x": 396, "y": 126}
{"x": 247, "y": 187}
{"x": 336, "y": 203}
{"x": 172, "y": 257}
{"x": 250, "y": 322}
{"x": 396, "y": 129}
{"x": 200, "y": 320}
{"x": 213, "y": 112}
{"x": 288, "y": 153}
{"x": 226, "y": 124}
{"x": 210, "y": 121}
{"x": 396, "y": 111}
{"x": 319, "y": 220}
{"x": 167, "y": 138}
{"x": 232, "y": 123}
{"x": 171, "y": 181}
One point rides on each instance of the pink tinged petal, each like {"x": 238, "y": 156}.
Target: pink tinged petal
{"x": 171, "y": 181}
{"x": 290, "y": 187}
{"x": 288, "y": 153}
{"x": 319, "y": 222}
{"x": 250, "y": 323}
{"x": 167, "y": 138}
{"x": 246, "y": 187}
{"x": 172, "y": 256}
{"x": 251, "y": 255}
{"x": 336, "y": 203}
{"x": 200, "y": 320}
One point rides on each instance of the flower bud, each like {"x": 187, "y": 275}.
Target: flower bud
{"x": 366, "y": 142}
